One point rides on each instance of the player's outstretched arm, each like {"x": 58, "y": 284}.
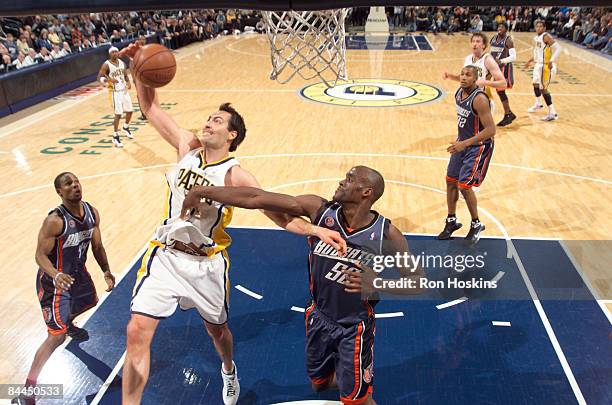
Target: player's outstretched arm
{"x": 181, "y": 139}
{"x": 50, "y": 230}
{"x": 100, "y": 253}
{"x": 238, "y": 177}
{"x": 450, "y": 76}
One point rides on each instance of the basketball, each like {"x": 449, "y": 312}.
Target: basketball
{"x": 154, "y": 65}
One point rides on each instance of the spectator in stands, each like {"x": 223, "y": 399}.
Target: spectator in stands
{"x": 608, "y": 48}
{"x": 54, "y": 36}
{"x": 38, "y": 25}
{"x": 568, "y": 27}
{"x": 600, "y": 40}
{"x": 19, "y": 62}
{"x": 22, "y": 44}
{"x": 115, "y": 37}
{"x": 220, "y": 19}
{"x": 398, "y": 16}
{"x": 77, "y": 46}
{"x": 43, "y": 41}
{"x": 586, "y": 26}
{"x": 11, "y": 46}
{"x": 452, "y": 25}
{"x": 87, "y": 44}
{"x": 437, "y": 23}
{"x": 57, "y": 52}
{"x": 44, "y": 55}
{"x": 598, "y": 29}
{"x": 31, "y": 58}
{"x": 146, "y": 30}
{"x": 5, "y": 63}
{"x": 66, "y": 48}
{"x": 411, "y": 19}
{"x": 476, "y": 24}
{"x": 422, "y": 19}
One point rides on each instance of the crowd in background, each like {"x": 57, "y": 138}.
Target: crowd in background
{"x": 39, "y": 39}
{"x": 591, "y": 27}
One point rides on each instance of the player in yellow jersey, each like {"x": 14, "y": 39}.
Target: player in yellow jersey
{"x": 187, "y": 263}
{"x": 545, "y": 53}
{"x": 114, "y": 72}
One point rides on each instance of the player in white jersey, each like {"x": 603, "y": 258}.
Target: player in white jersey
{"x": 489, "y": 74}
{"x": 545, "y": 53}
{"x": 187, "y": 263}
{"x": 114, "y": 73}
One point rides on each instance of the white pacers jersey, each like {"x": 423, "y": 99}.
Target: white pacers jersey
{"x": 208, "y": 231}
{"x": 117, "y": 72}
{"x": 538, "y": 48}
{"x": 483, "y": 72}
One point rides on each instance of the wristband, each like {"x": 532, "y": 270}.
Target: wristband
{"x": 103, "y": 80}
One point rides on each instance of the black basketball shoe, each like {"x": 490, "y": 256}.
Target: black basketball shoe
{"x": 450, "y": 226}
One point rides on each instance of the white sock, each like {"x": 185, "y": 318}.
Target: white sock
{"x": 551, "y": 110}
{"x": 538, "y": 101}
{"x": 126, "y": 126}
{"x": 228, "y": 372}
{"x": 116, "y": 133}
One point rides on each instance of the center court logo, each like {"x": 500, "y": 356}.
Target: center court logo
{"x": 372, "y": 93}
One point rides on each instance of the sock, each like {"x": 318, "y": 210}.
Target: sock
{"x": 126, "y": 126}
{"x": 475, "y": 221}
{"x": 451, "y": 218}
{"x": 230, "y": 372}
{"x": 551, "y": 110}
{"x": 116, "y": 134}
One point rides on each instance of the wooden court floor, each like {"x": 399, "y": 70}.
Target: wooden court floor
{"x": 547, "y": 180}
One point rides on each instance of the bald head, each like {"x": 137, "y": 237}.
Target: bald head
{"x": 372, "y": 179}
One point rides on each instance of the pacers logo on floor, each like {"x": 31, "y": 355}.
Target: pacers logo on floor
{"x": 372, "y": 93}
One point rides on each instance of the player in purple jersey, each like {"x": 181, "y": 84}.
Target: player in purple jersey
{"x": 340, "y": 324}
{"x": 470, "y": 153}
{"x": 64, "y": 287}
{"x": 502, "y": 50}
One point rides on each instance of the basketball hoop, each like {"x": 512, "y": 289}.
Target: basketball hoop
{"x": 307, "y": 43}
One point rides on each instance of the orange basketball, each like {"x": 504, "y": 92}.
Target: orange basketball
{"x": 154, "y": 65}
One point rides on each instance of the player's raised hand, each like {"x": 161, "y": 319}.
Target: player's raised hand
{"x": 130, "y": 50}
{"x": 360, "y": 282}
{"x": 332, "y": 238}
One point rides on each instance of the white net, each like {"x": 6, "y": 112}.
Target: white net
{"x": 307, "y": 43}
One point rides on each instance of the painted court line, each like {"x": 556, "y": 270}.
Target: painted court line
{"x": 248, "y": 292}
{"x": 389, "y": 315}
{"x": 451, "y": 303}
{"x": 314, "y": 154}
{"x": 108, "y": 381}
{"x": 548, "y": 327}
{"x": 498, "y": 276}
{"x": 501, "y": 323}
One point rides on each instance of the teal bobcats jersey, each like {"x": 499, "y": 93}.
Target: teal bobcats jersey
{"x": 468, "y": 123}
{"x": 325, "y": 267}
{"x": 70, "y": 251}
